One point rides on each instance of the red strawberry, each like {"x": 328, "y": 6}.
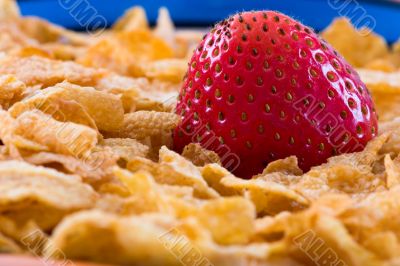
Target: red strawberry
{"x": 261, "y": 86}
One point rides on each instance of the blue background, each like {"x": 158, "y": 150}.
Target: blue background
{"x": 315, "y": 13}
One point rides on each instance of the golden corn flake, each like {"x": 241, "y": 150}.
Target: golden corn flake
{"x": 268, "y": 197}
{"x": 392, "y": 146}
{"x": 27, "y": 236}
{"x": 200, "y": 156}
{"x": 129, "y": 240}
{"x": 185, "y": 173}
{"x": 287, "y": 166}
{"x": 379, "y": 80}
{"x": 140, "y": 93}
{"x": 168, "y": 69}
{"x": 375, "y": 217}
{"x": 384, "y": 88}
{"x": 58, "y": 51}
{"x": 142, "y": 124}
{"x": 42, "y": 194}
{"x": 174, "y": 170}
{"x": 86, "y": 166}
{"x": 9, "y": 9}
{"x": 315, "y": 235}
{"x": 93, "y": 168}
{"x": 365, "y": 158}
{"x": 104, "y": 109}
{"x": 230, "y": 220}
{"x": 127, "y": 52}
{"x": 127, "y": 88}
{"x": 29, "y": 51}
{"x": 213, "y": 175}
{"x": 145, "y": 195}
{"x": 134, "y": 19}
{"x": 7, "y": 128}
{"x": 45, "y": 32}
{"x": 348, "y": 173}
{"x": 13, "y": 39}
{"x": 65, "y": 138}
{"x": 118, "y": 240}
{"x": 49, "y": 102}
{"x": 159, "y": 96}
{"x": 384, "y": 65}
{"x": 187, "y": 41}
{"x": 165, "y": 28}
{"x": 144, "y": 164}
{"x": 7, "y": 245}
{"x": 126, "y": 149}
{"x": 394, "y": 56}
{"x": 358, "y": 47}
{"x": 118, "y": 84}
{"x": 11, "y": 91}
{"x": 339, "y": 179}
{"x": 20, "y": 145}
{"x": 337, "y": 245}
{"x": 384, "y": 244}
{"x": 392, "y": 172}
{"x": 42, "y": 71}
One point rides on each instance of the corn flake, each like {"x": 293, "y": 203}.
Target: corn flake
{"x": 384, "y": 88}
{"x": 358, "y": 47}
{"x": 200, "y": 156}
{"x": 230, "y": 220}
{"x": 127, "y": 52}
{"x": 65, "y": 138}
{"x": 142, "y": 124}
{"x": 165, "y": 28}
{"x": 9, "y": 9}
{"x": 126, "y": 149}
{"x": 185, "y": 172}
{"x": 11, "y": 91}
{"x": 134, "y": 19}
{"x": 102, "y": 108}
{"x": 86, "y": 169}
{"x": 93, "y": 169}
{"x": 42, "y": 194}
{"x": 213, "y": 175}
{"x": 42, "y": 71}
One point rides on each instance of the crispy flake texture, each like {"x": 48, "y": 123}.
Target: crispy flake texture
{"x": 200, "y": 156}
{"x": 44, "y": 195}
{"x": 385, "y": 89}
{"x": 126, "y": 52}
{"x": 11, "y": 90}
{"x": 61, "y": 137}
{"x": 36, "y": 70}
{"x": 359, "y": 47}
{"x": 143, "y": 124}
{"x": 87, "y": 166}
{"x": 102, "y": 109}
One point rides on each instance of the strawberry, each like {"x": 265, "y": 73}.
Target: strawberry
{"x": 261, "y": 86}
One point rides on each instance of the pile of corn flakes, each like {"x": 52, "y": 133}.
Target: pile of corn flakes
{"x": 87, "y": 173}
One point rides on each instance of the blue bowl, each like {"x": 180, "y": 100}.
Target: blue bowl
{"x": 382, "y": 16}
